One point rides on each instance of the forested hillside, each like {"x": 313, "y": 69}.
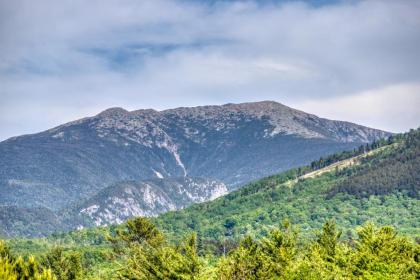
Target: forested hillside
{"x": 381, "y": 185}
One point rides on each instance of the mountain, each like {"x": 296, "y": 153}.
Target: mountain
{"x": 233, "y": 143}
{"x": 114, "y": 204}
{"x": 148, "y": 198}
{"x": 378, "y": 183}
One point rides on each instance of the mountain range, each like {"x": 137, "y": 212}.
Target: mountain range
{"x": 88, "y": 165}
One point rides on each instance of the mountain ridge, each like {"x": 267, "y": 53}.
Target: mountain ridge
{"x": 259, "y": 106}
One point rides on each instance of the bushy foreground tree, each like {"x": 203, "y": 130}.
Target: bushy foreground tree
{"x": 54, "y": 265}
{"x": 146, "y": 255}
{"x": 64, "y": 266}
{"x": 264, "y": 259}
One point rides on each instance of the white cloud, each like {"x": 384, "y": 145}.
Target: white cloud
{"x": 78, "y": 57}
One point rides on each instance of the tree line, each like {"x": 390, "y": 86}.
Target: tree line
{"x": 140, "y": 251}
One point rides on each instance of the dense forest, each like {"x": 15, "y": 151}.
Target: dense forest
{"x": 397, "y": 170}
{"x": 337, "y": 218}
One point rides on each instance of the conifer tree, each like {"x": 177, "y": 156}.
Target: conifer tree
{"x": 328, "y": 240}
{"x": 64, "y": 266}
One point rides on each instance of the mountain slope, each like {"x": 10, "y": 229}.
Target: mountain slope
{"x": 29, "y": 222}
{"x": 382, "y": 185}
{"x": 233, "y": 143}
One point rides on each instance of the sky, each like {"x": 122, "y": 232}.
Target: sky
{"x": 357, "y": 61}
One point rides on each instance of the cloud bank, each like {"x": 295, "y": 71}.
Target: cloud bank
{"x": 351, "y": 60}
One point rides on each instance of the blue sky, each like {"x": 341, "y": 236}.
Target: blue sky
{"x": 349, "y": 60}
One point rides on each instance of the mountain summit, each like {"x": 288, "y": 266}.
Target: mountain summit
{"x": 232, "y": 143}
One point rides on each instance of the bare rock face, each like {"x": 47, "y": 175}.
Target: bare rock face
{"x": 233, "y": 143}
{"x": 148, "y": 198}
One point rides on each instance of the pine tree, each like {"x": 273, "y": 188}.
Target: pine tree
{"x": 381, "y": 254}
{"x": 137, "y": 231}
{"x": 328, "y": 239}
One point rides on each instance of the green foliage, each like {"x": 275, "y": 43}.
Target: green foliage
{"x": 147, "y": 256}
{"x": 396, "y": 170}
{"x": 136, "y": 232}
{"x": 64, "y": 266}
{"x": 16, "y": 268}
{"x": 325, "y": 161}
{"x": 265, "y": 259}
{"x": 327, "y": 240}
{"x": 377, "y": 254}
{"x": 381, "y": 254}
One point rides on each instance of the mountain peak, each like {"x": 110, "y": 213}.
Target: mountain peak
{"x": 266, "y": 107}
{"x": 264, "y": 103}
{"x": 114, "y": 111}
{"x": 143, "y": 111}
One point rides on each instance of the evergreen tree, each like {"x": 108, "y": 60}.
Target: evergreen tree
{"x": 64, "y": 266}
{"x": 150, "y": 258}
{"x": 381, "y": 254}
{"x": 137, "y": 231}
{"x": 328, "y": 240}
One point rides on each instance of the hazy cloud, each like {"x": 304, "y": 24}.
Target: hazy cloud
{"x": 393, "y": 108}
{"x": 64, "y": 60}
